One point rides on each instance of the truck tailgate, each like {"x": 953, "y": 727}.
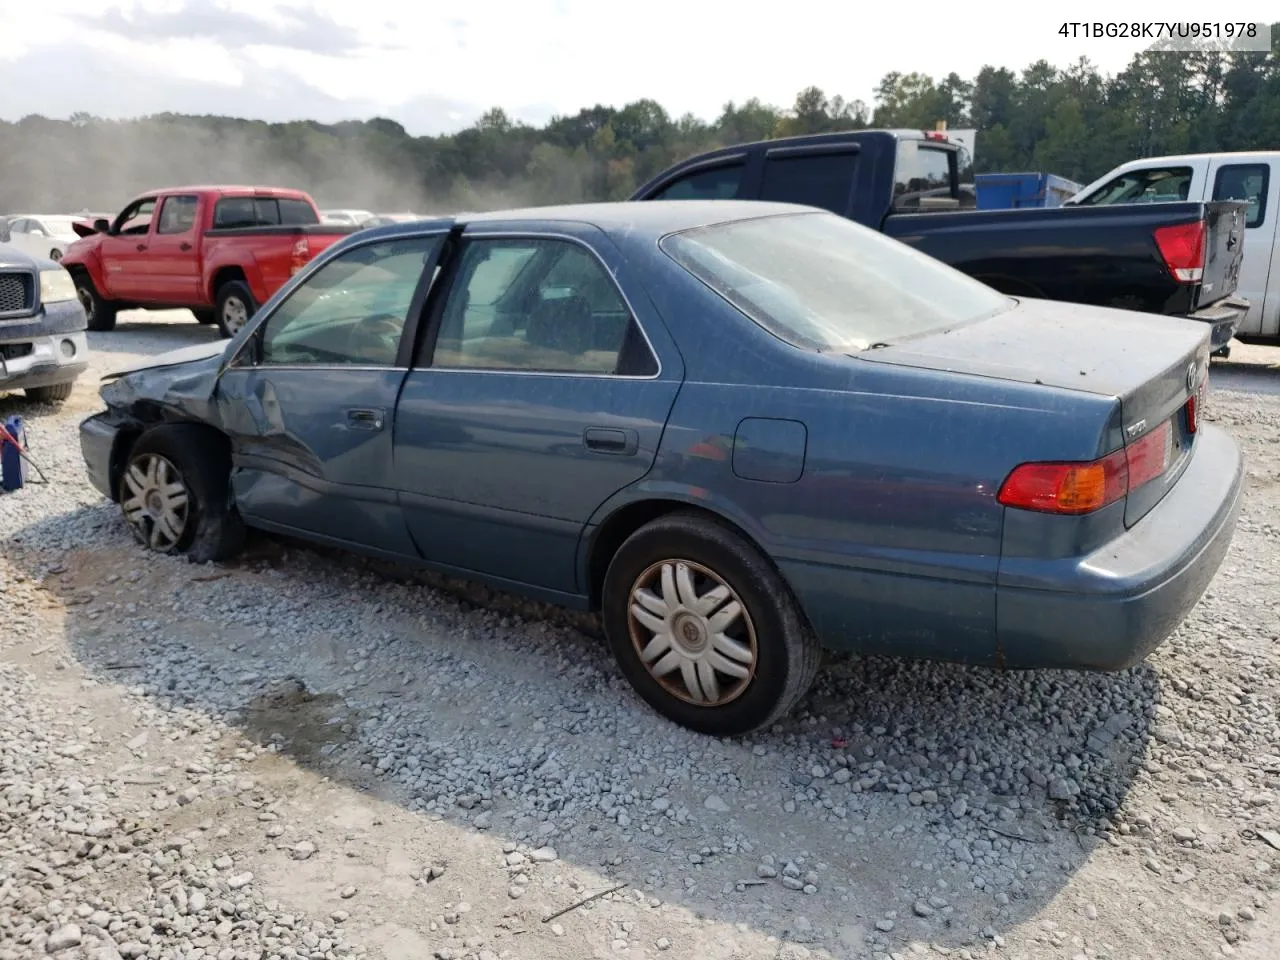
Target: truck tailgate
{"x": 1224, "y": 250}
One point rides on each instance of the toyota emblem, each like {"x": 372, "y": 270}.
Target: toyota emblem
{"x": 1191, "y": 378}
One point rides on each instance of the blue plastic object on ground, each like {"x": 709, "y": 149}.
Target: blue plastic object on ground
{"x": 13, "y": 469}
{"x": 1013, "y": 191}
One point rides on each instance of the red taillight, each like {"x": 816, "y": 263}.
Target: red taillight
{"x": 300, "y": 256}
{"x": 1073, "y": 488}
{"x": 1195, "y": 404}
{"x": 1182, "y": 247}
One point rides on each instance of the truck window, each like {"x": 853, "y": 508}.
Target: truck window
{"x": 295, "y": 213}
{"x": 1148, "y": 185}
{"x": 817, "y": 180}
{"x": 717, "y": 183}
{"x": 1245, "y": 181}
{"x": 921, "y": 171}
{"x": 136, "y": 219}
{"x": 177, "y": 214}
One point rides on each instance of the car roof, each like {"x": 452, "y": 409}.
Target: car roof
{"x": 650, "y": 218}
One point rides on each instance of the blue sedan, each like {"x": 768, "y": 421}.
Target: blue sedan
{"x": 743, "y": 432}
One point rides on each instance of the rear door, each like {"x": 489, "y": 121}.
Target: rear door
{"x": 538, "y": 394}
{"x": 309, "y": 399}
{"x": 173, "y": 260}
{"x": 1255, "y": 182}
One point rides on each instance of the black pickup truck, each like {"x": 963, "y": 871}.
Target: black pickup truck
{"x": 1178, "y": 259}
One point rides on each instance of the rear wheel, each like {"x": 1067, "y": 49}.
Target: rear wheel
{"x": 704, "y": 628}
{"x": 234, "y": 307}
{"x": 54, "y": 393}
{"x": 175, "y": 493}
{"x": 55, "y": 254}
{"x": 99, "y": 312}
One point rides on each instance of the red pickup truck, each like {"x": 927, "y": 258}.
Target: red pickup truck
{"x": 217, "y": 251}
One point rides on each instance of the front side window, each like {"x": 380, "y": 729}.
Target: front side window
{"x": 1245, "y": 181}
{"x": 717, "y": 183}
{"x": 137, "y": 218}
{"x": 353, "y": 309}
{"x": 1149, "y": 185}
{"x": 821, "y": 282}
{"x": 177, "y": 215}
{"x": 538, "y": 305}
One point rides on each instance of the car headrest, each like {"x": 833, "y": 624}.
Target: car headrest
{"x": 565, "y": 325}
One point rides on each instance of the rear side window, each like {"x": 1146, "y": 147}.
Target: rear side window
{"x": 177, "y": 215}
{"x": 1245, "y": 181}
{"x": 718, "y": 183}
{"x": 1149, "y": 185}
{"x": 296, "y": 213}
{"x": 817, "y": 179}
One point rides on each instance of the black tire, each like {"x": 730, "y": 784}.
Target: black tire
{"x": 54, "y": 393}
{"x": 55, "y": 254}
{"x": 206, "y": 316}
{"x": 100, "y": 313}
{"x": 786, "y": 656}
{"x": 200, "y": 461}
{"x": 231, "y": 293}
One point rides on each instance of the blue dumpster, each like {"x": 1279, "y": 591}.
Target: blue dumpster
{"x": 1012, "y": 191}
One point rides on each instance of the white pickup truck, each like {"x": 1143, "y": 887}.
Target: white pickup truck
{"x": 1254, "y": 177}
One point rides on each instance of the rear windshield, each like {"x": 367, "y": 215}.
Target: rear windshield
{"x": 232, "y": 213}
{"x": 821, "y": 282}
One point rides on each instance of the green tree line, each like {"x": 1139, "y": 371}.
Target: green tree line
{"x": 1075, "y": 122}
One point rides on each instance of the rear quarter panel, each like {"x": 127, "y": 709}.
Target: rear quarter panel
{"x": 884, "y": 521}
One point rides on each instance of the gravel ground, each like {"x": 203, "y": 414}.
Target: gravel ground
{"x": 302, "y": 754}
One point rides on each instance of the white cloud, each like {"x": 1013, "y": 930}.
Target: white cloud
{"x": 533, "y": 58}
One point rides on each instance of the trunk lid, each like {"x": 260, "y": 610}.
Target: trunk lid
{"x": 1223, "y": 250}
{"x": 1152, "y": 365}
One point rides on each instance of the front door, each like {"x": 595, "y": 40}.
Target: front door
{"x": 124, "y": 251}
{"x": 537, "y": 396}
{"x": 1253, "y": 181}
{"x": 309, "y": 399}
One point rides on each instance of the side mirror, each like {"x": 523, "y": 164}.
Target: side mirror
{"x": 102, "y": 226}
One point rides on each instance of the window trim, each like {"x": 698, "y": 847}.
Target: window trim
{"x": 169, "y": 198}
{"x": 409, "y": 335}
{"x": 1262, "y": 194}
{"x": 424, "y": 358}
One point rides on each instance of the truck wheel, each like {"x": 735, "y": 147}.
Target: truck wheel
{"x": 235, "y": 307}
{"x": 54, "y": 393}
{"x": 205, "y": 316}
{"x": 100, "y": 313}
{"x": 175, "y": 494}
{"x": 704, "y": 628}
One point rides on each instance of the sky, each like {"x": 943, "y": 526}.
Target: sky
{"x": 435, "y": 67}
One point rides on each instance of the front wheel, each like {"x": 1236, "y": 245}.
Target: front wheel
{"x": 704, "y": 628}
{"x": 99, "y": 312}
{"x": 175, "y": 493}
{"x": 53, "y": 393}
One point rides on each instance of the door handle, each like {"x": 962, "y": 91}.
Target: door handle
{"x": 611, "y": 440}
{"x": 141, "y": 247}
{"x": 184, "y": 246}
{"x": 366, "y": 418}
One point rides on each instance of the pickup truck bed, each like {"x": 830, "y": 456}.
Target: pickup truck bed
{"x": 1178, "y": 259}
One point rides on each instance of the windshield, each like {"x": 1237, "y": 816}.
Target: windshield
{"x": 60, "y": 226}
{"x": 1150, "y": 185}
{"x": 821, "y": 282}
